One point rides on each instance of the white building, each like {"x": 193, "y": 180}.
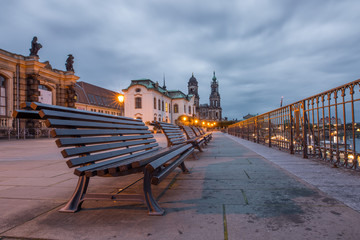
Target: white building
{"x": 146, "y": 100}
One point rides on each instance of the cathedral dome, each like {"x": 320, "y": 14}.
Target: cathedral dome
{"x": 192, "y": 81}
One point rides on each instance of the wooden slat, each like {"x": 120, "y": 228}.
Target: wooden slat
{"x": 65, "y": 142}
{"x": 78, "y": 116}
{"x": 162, "y": 160}
{"x": 102, "y": 147}
{"x": 90, "y": 170}
{"x": 39, "y": 106}
{"x": 165, "y": 172}
{"x": 145, "y": 159}
{"x": 59, "y": 123}
{"x": 94, "y": 132}
{"x": 101, "y": 156}
{"x": 26, "y": 114}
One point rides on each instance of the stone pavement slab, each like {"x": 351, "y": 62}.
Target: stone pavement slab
{"x": 232, "y": 192}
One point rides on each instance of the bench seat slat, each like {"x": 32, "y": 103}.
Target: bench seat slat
{"x": 69, "y": 152}
{"x": 65, "y": 142}
{"x": 59, "y": 123}
{"x": 162, "y": 160}
{"x": 135, "y": 162}
{"x": 93, "y": 132}
{"x": 121, "y": 161}
{"x": 45, "y": 114}
{"x": 165, "y": 172}
{"x": 102, "y": 156}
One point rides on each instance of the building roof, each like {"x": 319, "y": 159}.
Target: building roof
{"x": 149, "y": 84}
{"x": 93, "y": 95}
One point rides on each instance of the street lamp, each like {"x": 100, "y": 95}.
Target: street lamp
{"x": 121, "y": 99}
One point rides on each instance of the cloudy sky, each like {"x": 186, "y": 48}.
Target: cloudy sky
{"x": 260, "y": 49}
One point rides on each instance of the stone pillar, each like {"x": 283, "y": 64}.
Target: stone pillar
{"x": 70, "y": 99}
{"x": 32, "y": 95}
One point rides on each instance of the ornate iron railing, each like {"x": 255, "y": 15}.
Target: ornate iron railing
{"x": 326, "y": 125}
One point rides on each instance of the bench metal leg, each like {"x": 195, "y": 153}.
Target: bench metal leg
{"x": 184, "y": 168}
{"x": 153, "y": 206}
{"x": 74, "y": 204}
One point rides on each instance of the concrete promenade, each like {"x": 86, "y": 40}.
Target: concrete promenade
{"x": 236, "y": 190}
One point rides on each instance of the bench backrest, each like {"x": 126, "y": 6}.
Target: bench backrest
{"x": 189, "y": 132}
{"x": 196, "y": 131}
{"x": 90, "y": 137}
{"x": 172, "y": 132}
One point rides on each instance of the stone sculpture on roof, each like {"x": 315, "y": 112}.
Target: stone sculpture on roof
{"x": 69, "y": 63}
{"x": 35, "y": 47}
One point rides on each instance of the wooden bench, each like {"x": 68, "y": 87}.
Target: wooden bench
{"x": 174, "y": 135}
{"x": 108, "y": 146}
{"x": 200, "y": 133}
{"x": 190, "y": 134}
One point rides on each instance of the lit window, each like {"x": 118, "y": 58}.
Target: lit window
{"x": 176, "y": 108}
{"x": 166, "y": 107}
{"x": 137, "y": 102}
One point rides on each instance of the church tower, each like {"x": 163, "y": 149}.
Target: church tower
{"x": 193, "y": 89}
{"x": 215, "y": 107}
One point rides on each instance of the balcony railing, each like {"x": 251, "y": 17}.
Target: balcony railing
{"x": 326, "y": 125}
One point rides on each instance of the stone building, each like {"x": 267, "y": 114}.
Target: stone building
{"x": 146, "y": 100}
{"x": 211, "y": 111}
{"x": 26, "y": 79}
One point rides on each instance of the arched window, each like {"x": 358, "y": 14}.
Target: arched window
{"x": 45, "y": 94}
{"x": 154, "y": 102}
{"x": 159, "y": 118}
{"x": 137, "y": 102}
{"x": 176, "y": 108}
{"x": 159, "y": 107}
{"x": 162, "y": 105}
{"x": 189, "y": 109}
{"x": 2, "y": 96}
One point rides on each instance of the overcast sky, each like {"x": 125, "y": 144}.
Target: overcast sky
{"x": 261, "y": 50}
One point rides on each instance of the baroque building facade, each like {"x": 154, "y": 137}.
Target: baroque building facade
{"x": 211, "y": 111}
{"x": 147, "y": 100}
{"x": 26, "y": 79}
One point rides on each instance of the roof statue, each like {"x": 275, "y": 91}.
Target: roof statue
{"x": 35, "y": 47}
{"x": 69, "y": 63}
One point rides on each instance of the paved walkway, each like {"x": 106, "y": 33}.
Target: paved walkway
{"x": 233, "y": 192}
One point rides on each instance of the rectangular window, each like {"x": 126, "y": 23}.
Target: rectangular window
{"x": 166, "y": 107}
{"x": 138, "y": 103}
{"x": 2, "y": 101}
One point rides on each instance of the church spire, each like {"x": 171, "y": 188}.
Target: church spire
{"x": 164, "y": 85}
{"x": 214, "y": 77}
